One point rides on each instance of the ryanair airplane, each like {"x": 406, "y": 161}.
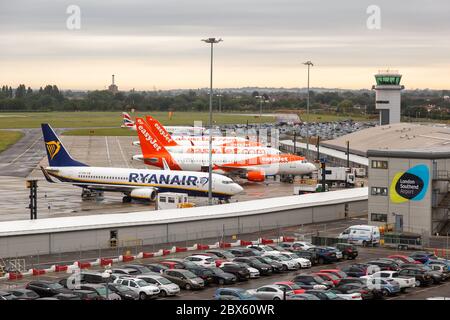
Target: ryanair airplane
{"x": 133, "y": 183}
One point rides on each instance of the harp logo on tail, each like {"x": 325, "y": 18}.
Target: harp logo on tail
{"x": 53, "y": 148}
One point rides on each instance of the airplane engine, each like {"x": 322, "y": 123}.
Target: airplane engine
{"x": 144, "y": 193}
{"x": 256, "y": 176}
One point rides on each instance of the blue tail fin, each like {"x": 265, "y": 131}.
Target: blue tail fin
{"x": 57, "y": 155}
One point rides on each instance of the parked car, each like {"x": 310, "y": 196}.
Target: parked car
{"x": 324, "y": 254}
{"x": 6, "y": 296}
{"x": 275, "y": 265}
{"x": 221, "y": 277}
{"x": 404, "y": 282}
{"x": 140, "y": 268}
{"x": 356, "y": 270}
{"x": 443, "y": 262}
{"x": 178, "y": 263}
{"x": 66, "y": 296}
{"x": 254, "y": 273}
{"x": 268, "y": 292}
{"x": 166, "y": 287}
{"x": 101, "y": 290}
{"x": 87, "y": 294}
{"x": 291, "y": 287}
{"x": 349, "y": 251}
{"x": 310, "y": 255}
{"x": 422, "y": 256}
{"x": 302, "y": 245}
{"x": 24, "y": 294}
{"x": 347, "y": 296}
{"x": 204, "y": 273}
{"x": 201, "y": 260}
{"x": 222, "y": 254}
{"x": 302, "y": 296}
{"x": 308, "y": 281}
{"x": 403, "y": 258}
{"x": 302, "y": 262}
{"x": 442, "y": 269}
{"x": 241, "y": 272}
{"x": 142, "y": 288}
{"x": 422, "y": 276}
{"x": 338, "y": 252}
{"x": 288, "y": 264}
{"x": 262, "y": 248}
{"x": 328, "y": 277}
{"x": 324, "y": 294}
{"x": 263, "y": 268}
{"x": 46, "y": 288}
{"x": 125, "y": 271}
{"x": 338, "y": 273}
{"x": 384, "y": 265}
{"x": 384, "y": 286}
{"x": 243, "y": 252}
{"x": 124, "y": 292}
{"x": 361, "y": 288}
{"x": 233, "y": 294}
{"x": 184, "y": 279}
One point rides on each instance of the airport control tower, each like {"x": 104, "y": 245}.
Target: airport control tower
{"x": 388, "y": 95}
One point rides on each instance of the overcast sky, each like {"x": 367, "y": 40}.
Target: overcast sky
{"x": 156, "y": 43}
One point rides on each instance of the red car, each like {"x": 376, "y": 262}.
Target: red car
{"x": 291, "y": 287}
{"x": 329, "y": 277}
{"x": 341, "y": 274}
{"x": 404, "y": 258}
{"x": 217, "y": 259}
{"x": 170, "y": 264}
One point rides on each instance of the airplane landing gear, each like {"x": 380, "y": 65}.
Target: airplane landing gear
{"x": 87, "y": 194}
{"x": 126, "y": 199}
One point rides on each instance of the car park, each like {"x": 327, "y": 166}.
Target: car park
{"x": 263, "y": 268}
{"x": 24, "y": 294}
{"x": 141, "y": 287}
{"x": 166, "y": 287}
{"x": 124, "y": 292}
{"x": 233, "y": 294}
{"x": 241, "y": 272}
{"x": 102, "y": 291}
{"x": 288, "y": 264}
{"x": 46, "y": 288}
{"x": 201, "y": 260}
{"x": 268, "y": 292}
{"x": 349, "y": 251}
{"x": 184, "y": 279}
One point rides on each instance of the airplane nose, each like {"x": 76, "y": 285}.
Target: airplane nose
{"x": 312, "y": 167}
{"x": 237, "y": 189}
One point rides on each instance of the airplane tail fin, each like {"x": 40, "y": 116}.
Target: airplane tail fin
{"x": 160, "y": 132}
{"x": 127, "y": 121}
{"x": 57, "y": 154}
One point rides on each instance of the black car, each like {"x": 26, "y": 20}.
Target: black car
{"x": 355, "y": 287}
{"x": 324, "y": 294}
{"x": 308, "y": 281}
{"x": 263, "y": 268}
{"x": 356, "y": 270}
{"x": 67, "y": 296}
{"x": 349, "y": 251}
{"x": 241, "y": 272}
{"x": 140, "y": 268}
{"x": 156, "y": 267}
{"x": 423, "y": 256}
{"x": 221, "y": 277}
{"x": 202, "y": 272}
{"x": 385, "y": 265}
{"x": 6, "y": 296}
{"x": 124, "y": 292}
{"x": 276, "y": 266}
{"x": 423, "y": 276}
{"x": 221, "y": 254}
{"x": 85, "y": 277}
{"x": 310, "y": 255}
{"x": 243, "y": 252}
{"x": 24, "y": 294}
{"x": 46, "y": 288}
{"x": 324, "y": 254}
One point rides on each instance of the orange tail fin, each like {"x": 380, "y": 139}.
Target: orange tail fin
{"x": 160, "y": 132}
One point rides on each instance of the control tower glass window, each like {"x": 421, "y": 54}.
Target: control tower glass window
{"x": 388, "y": 80}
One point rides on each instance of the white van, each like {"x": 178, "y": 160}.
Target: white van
{"x": 361, "y": 234}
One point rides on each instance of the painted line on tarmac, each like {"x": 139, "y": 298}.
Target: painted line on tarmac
{"x": 121, "y": 152}
{"x": 31, "y": 146}
{"x": 107, "y": 151}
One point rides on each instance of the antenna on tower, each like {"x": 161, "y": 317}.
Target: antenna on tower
{"x": 112, "y": 79}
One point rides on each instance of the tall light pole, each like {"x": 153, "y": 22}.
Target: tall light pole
{"x": 260, "y": 109}
{"x": 220, "y": 101}
{"x": 309, "y": 64}
{"x": 211, "y": 41}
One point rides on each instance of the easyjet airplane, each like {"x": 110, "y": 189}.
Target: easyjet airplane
{"x": 172, "y": 146}
{"x": 184, "y": 130}
{"x": 253, "y": 167}
{"x": 133, "y": 183}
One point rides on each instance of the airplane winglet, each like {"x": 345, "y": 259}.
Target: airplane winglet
{"x": 46, "y": 175}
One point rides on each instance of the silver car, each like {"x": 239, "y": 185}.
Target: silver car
{"x": 166, "y": 287}
{"x": 268, "y": 292}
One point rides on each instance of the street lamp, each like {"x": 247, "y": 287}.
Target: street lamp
{"x": 309, "y": 64}
{"x": 220, "y": 101}
{"x": 106, "y": 275}
{"x": 211, "y": 41}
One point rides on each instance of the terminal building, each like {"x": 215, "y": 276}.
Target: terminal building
{"x": 409, "y": 189}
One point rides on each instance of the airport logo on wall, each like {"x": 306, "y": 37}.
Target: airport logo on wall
{"x": 410, "y": 185}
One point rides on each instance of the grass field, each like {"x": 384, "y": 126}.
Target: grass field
{"x": 100, "y": 132}
{"x": 111, "y": 119}
{"x": 8, "y": 138}
{"x": 332, "y": 117}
